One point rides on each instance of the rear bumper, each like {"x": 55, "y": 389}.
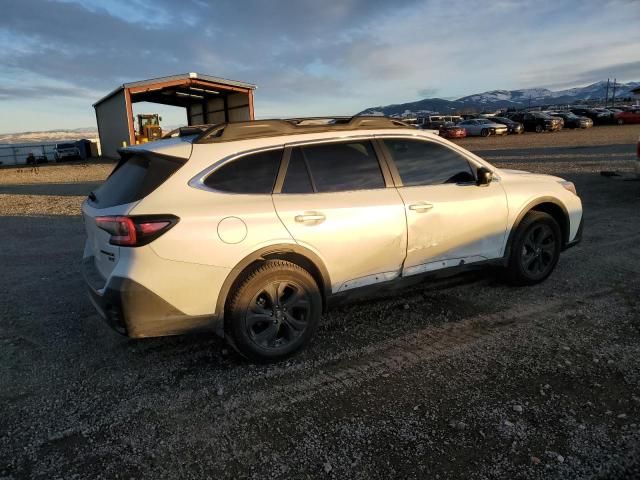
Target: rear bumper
{"x": 135, "y": 311}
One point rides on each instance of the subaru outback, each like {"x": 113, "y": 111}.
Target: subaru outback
{"x": 248, "y": 229}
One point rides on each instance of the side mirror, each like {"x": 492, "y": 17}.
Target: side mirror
{"x": 484, "y": 176}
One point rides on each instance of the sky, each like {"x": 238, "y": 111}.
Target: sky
{"x": 308, "y": 57}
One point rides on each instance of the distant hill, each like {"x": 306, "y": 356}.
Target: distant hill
{"x": 497, "y": 99}
{"x": 50, "y": 136}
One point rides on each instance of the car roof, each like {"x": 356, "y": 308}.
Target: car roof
{"x": 234, "y": 131}
{"x": 181, "y": 147}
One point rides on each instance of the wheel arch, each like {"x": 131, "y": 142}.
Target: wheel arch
{"x": 293, "y": 253}
{"x": 549, "y": 205}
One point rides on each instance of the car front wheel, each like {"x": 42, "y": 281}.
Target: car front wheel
{"x": 274, "y": 311}
{"x": 539, "y": 129}
{"x": 484, "y": 132}
{"x": 535, "y": 249}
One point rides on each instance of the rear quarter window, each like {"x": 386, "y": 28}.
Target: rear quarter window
{"x": 251, "y": 174}
{"x": 134, "y": 179}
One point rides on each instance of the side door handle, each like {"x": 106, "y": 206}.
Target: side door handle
{"x": 420, "y": 207}
{"x": 310, "y": 217}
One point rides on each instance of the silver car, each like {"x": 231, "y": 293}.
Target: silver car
{"x": 250, "y": 229}
{"x": 483, "y": 127}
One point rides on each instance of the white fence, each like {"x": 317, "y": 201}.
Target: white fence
{"x": 17, "y": 154}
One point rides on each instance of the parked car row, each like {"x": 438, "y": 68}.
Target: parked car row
{"x": 460, "y": 126}
{"x": 608, "y": 116}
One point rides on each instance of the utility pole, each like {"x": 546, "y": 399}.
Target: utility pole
{"x": 613, "y": 96}
{"x": 606, "y": 97}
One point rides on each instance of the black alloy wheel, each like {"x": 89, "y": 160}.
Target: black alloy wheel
{"x": 534, "y": 249}
{"x": 273, "y": 312}
{"x": 538, "y": 250}
{"x": 278, "y": 314}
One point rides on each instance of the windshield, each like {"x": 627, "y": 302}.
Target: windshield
{"x": 148, "y": 121}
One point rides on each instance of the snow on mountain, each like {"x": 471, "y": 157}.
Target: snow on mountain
{"x": 49, "y": 136}
{"x": 496, "y": 99}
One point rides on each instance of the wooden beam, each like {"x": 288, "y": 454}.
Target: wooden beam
{"x": 251, "y": 114}
{"x": 127, "y": 101}
{"x": 188, "y": 83}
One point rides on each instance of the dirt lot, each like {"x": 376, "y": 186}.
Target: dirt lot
{"x": 462, "y": 378}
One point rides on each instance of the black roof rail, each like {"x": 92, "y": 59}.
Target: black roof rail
{"x": 186, "y": 131}
{"x": 233, "y": 131}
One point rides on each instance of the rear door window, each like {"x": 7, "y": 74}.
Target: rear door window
{"x": 134, "y": 179}
{"x": 251, "y": 174}
{"x": 338, "y": 167}
{"x": 428, "y": 163}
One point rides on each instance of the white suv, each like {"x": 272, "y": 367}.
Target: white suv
{"x": 66, "y": 151}
{"x": 249, "y": 228}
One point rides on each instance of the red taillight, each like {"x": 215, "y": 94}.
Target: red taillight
{"x": 135, "y": 231}
{"x": 149, "y": 228}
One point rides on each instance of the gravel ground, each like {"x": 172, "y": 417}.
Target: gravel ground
{"x": 95, "y": 171}
{"x": 595, "y": 136}
{"x": 461, "y": 378}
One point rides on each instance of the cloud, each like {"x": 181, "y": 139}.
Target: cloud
{"x": 626, "y": 70}
{"x": 33, "y": 92}
{"x": 311, "y": 57}
{"x": 427, "y": 92}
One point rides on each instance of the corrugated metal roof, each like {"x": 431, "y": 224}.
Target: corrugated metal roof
{"x": 184, "y": 76}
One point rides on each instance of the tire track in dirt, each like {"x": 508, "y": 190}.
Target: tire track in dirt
{"x": 280, "y": 386}
{"x": 386, "y": 358}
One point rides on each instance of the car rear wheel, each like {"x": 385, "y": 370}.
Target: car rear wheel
{"x": 274, "y": 311}
{"x": 535, "y": 249}
{"x": 539, "y": 129}
{"x": 484, "y": 132}
{"x": 620, "y": 121}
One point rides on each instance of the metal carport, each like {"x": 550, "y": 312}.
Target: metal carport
{"x": 207, "y": 99}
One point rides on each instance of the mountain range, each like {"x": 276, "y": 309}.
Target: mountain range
{"x": 498, "y": 99}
